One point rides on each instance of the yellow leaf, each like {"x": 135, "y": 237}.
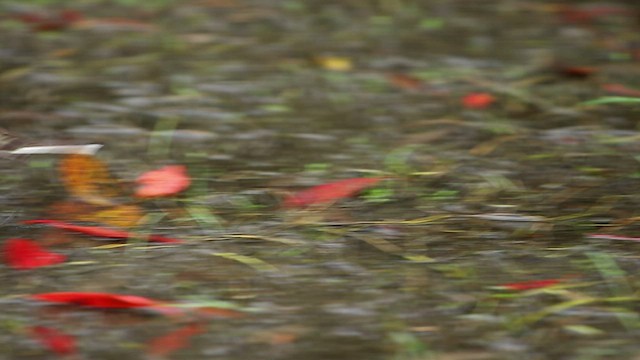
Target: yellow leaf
{"x": 88, "y": 179}
{"x": 335, "y": 63}
{"x": 125, "y": 215}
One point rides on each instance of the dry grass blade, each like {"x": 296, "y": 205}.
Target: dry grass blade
{"x": 250, "y": 261}
{"x": 267, "y": 238}
{"x": 391, "y": 248}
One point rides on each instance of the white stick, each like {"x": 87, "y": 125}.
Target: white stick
{"x": 89, "y": 149}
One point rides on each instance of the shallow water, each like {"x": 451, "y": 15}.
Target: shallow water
{"x": 239, "y": 92}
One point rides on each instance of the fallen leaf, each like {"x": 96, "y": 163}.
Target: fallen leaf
{"x": 174, "y": 340}
{"x": 335, "y": 63}
{"x": 330, "y": 192}
{"x": 49, "y": 22}
{"x": 478, "y": 100}
{"x": 530, "y": 285}
{"x": 97, "y": 300}
{"x": 124, "y": 216}
{"x": 88, "y": 179}
{"x": 54, "y": 340}
{"x": 101, "y": 300}
{"x": 590, "y": 13}
{"x": 576, "y": 72}
{"x": 165, "y": 181}
{"x": 24, "y": 254}
{"x": 99, "y": 231}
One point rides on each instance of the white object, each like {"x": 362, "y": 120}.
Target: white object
{"x": 88, "y": 149}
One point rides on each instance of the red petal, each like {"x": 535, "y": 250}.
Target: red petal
{"x": 173, "y": 341}
{"x": 165, "y": 181}
{"x": 55, "y": 340}
{"x": 99, "y": 231}
{"x": 97, "y": 299}
{"x": 329, "y": 192}
{"x": 529, "y": 285}
{"x": 26, "y": 254}
{"x": 478, "y": 100}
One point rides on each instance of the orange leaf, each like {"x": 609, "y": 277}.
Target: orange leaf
{"x": 478, "y": 100}
{"x": 165, "y": 181}
{"x": 329, "y": 192}
{"x": 24, "y": 254}
{"x": 88, "y": 179}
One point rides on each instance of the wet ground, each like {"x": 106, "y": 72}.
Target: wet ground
{"x": 262, "y": 98}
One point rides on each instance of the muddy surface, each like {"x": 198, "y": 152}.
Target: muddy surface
{"x": 262, "y": 98}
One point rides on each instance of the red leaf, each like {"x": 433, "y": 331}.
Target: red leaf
{"x": 529, "y": 285}
{"x": 99, "y": 231}
{"x": 55, "y": 340}
{"x": 619, "y": 89}
{"x": 163, "y": 239}
{"x": 173, "y": 341}
{"x": 97, "y": 299}
{"x": 329, "y": 192}
{"x": 165, "y": 181}
{"x": 26, "y": 254}
{"x": 54, "y": 22}
{"x": 585, "y": 15}
{"x": 478, "y": 100}
{"x": 577, "y": 72}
